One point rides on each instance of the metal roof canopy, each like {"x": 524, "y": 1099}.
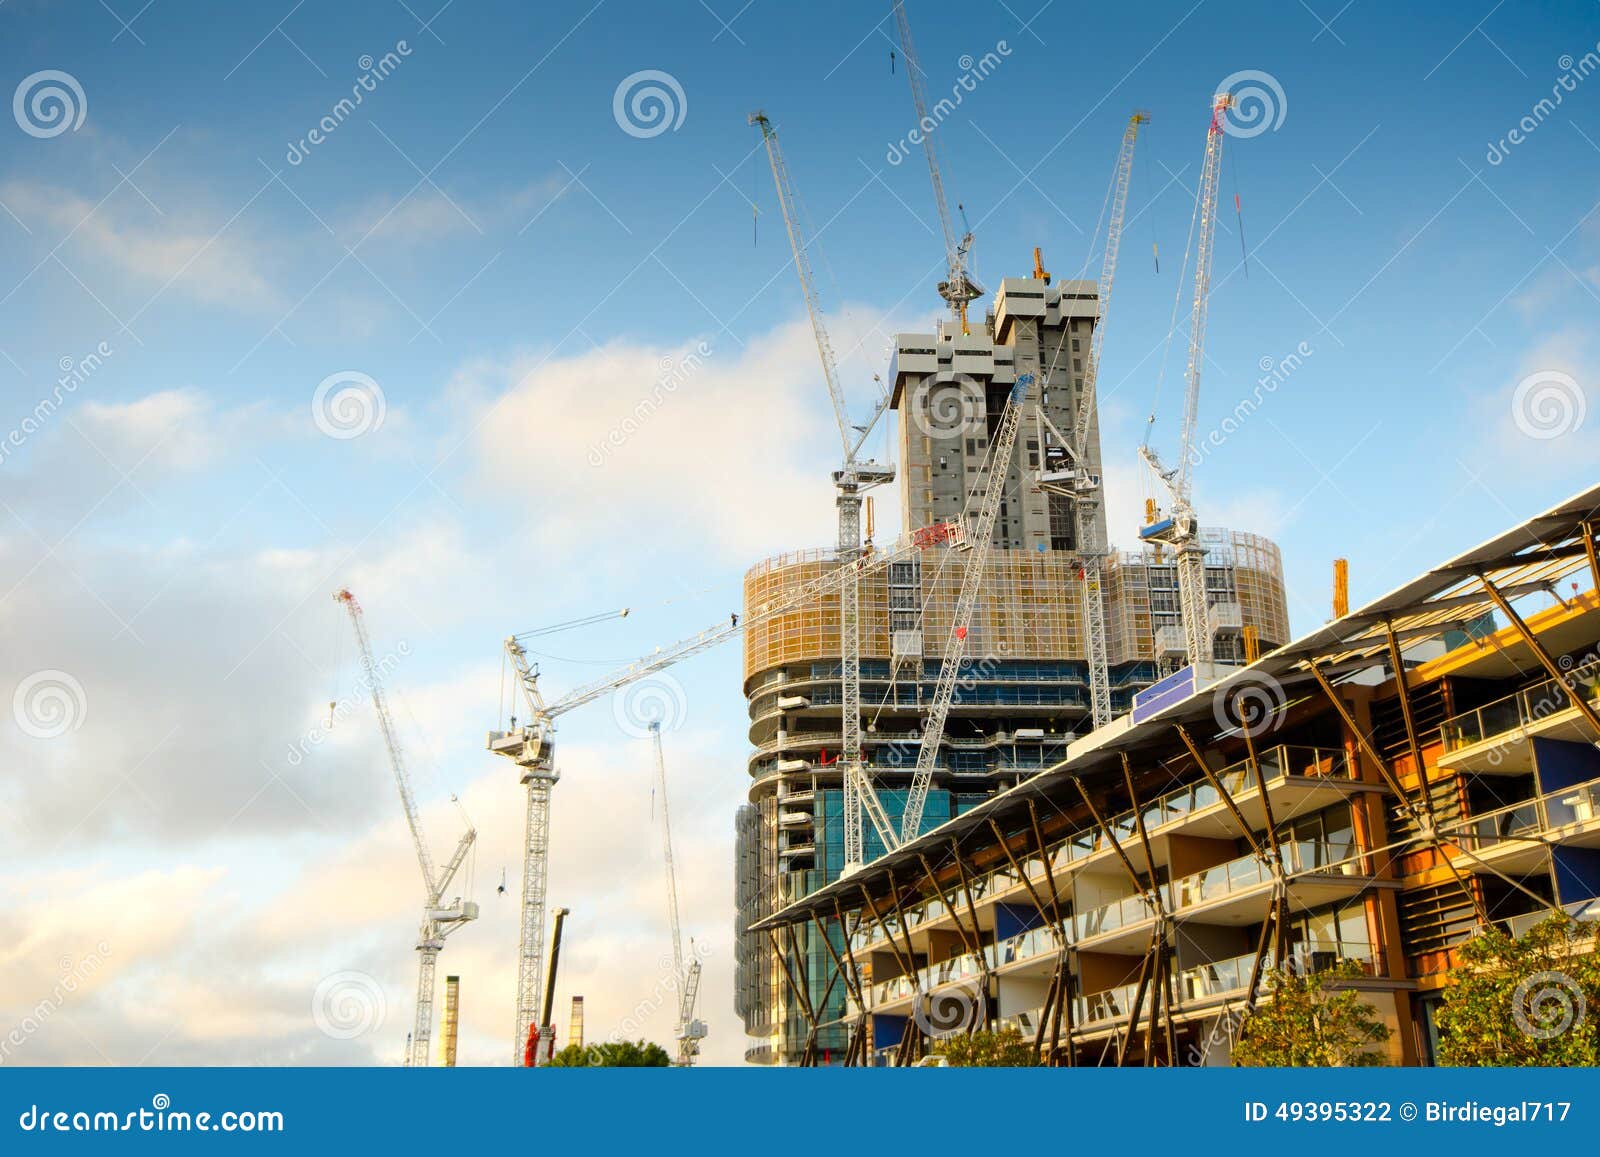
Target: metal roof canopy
{"x": 1529, "y": 558}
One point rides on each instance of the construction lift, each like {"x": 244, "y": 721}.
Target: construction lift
{"x": 958, "y": 289}
{"x": 439, "y": 919}
{"x": 690, "y": 1030}
{"x": 853, "y": 477}
{"x": 1178, "y": 527}
{"x": 1066, "y": 469}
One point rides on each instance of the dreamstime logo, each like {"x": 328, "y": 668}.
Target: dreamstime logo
{"x": 948, "y": 408}
{"x": 1258, "y": 103}
{"x": 74, "y": 373}
{"x": 1250, "y": 704}
{"x": 49, "y": 103}
{"x": 973, "y": 71}
{"x": 675, "y": 371}
{"x": 348, "y": 1004}
{"x": 1547, "y": 1004}
{"x": 48, "y": 704}
{"x": 372, "y": 73}
{"x": 348, "y": 404}
{"x": 74, "y": 974}
{"x": 1573, "y": 73}
{"x": 949, "y": 1010}
{"x": 659, "y": 699}
{"x": 1274, "y": 373}
{"x": 662, "y": 995}
{"x": 346, "y": 705}
{"x": 1547, "y": 404}
{"x": 649, "y": 103}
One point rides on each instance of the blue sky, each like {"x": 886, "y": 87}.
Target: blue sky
{"x": 482, "y": 240}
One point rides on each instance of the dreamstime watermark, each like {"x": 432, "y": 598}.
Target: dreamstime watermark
{"x": 74, "y": 974}
{"x": 348, "y": 404}
{"x": 663, "y": 994}
{"x": 1250, "y": 704}
{"x": 1259, "y": 104}
{"x": 1547, "y": 1004}
{"x": 1548, "y": 404}
{"x": 74, "y": 373}
{"x": 160, "y": 1117}
{"x": 48, "y": 103}
{"x": 1579, "y": 675}
{"x": 973, "y": 73}
{"x": 48, "y": 704}
{"x": 1274, "y": 373}
{"x": 344, "y": 706}
{"x": 648, "y": 103}
{"x": 953, "y": 407}
{"x": 348, "y": 1004}
{"x": 373, "y": 72}
{"x": 675, "y": 371}
{"x": 656, "y": 700}
{"x": 1573, "y": 73}
{"x": 949, "y": 1011}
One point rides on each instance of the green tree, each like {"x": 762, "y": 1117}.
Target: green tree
{"x": 1312, "y": 1021}
{"x": 1533, "y": 1001}
{"x": 1003, "y": 1049}
{"x": 612, "y": 1055}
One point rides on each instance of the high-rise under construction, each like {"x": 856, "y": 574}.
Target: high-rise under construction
{"x": 1024, "y": 681}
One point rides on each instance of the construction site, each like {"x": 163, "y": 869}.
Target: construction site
{"x": 1004, "y": 774}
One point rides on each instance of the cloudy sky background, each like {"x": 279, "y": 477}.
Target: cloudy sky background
{"x": 515, "y": 271}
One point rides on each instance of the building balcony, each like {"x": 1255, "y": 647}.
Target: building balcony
{"x": 1518, "y": 838}
{"x": 1298, "y": 780}
{"x": 1494, "y": 738}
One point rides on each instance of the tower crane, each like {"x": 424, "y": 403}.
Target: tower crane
{"x": 850, "y": 480}
{"x": 958, "y": 288}
{"x": 439, "y": 919}
{"x": 531, "y": 746}
{"x": 691, "y": 1031}
{"x": 978, "y": 538}
{"x": 1066, "y": 469}
{"x": 1180, "y": 529}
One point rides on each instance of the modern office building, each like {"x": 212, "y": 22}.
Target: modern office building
{"x": 1371, "y": 794}
{"x": 1023, "y": 692}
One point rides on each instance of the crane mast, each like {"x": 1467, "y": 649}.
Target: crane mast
{"x": 979, "y": 538}
{"x": 850, "y": 480}
{"x": 1180, "y": 529}
{"x": 531, "y": 747}
{"x": 690, "y": 1031}
{"x": 533, "y": 751}
{"x": 1076, "y": 481}
{"x": 438, "y": 918}
{"x": 958, "y": 289}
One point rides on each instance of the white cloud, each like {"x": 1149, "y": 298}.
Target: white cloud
{"x": 725, "y": 453}
{"x": 213, "y": 262}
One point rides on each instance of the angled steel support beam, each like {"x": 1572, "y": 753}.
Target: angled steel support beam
{"x": 1389, "y": 778}
{"x": 1413, "y": 744}
{"x": 1589, "y": 550}
{"x": 977, "y": 936}
{"x": 1028, "y": 882}
{"x": 1216, "y": 785}
{"x": 1044, "y": 858}
{"x": 1585, "y": 708}
{"x": 972, "y": 944}
{"x": 1126, "y": 1038}
{"x": 1111, "y": 838}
